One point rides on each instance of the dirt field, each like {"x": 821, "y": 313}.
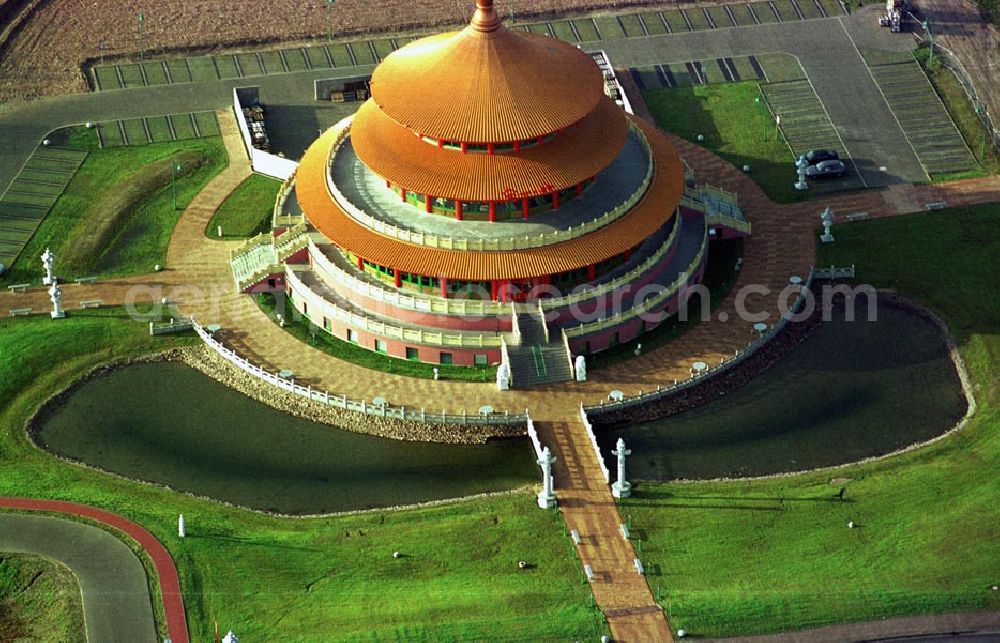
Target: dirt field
{"x": 44, "y": 54}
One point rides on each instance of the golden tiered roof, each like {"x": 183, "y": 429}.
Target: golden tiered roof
{"x": 487, "y": 84}
{"x": 580, "y": 153}
{"x": 651, "y": 213}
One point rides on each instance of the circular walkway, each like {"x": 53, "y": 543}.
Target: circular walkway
{"x": 116, "y": 600}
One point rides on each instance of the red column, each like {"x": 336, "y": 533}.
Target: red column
{"x": 489, "y": 149}
{"x": 517, "y": 145}
{"x": 458, "y": 210}
{"x": 428, "y": 203}
{"x": 399, "y": 278}
{"x": 538, "y": 141}
{"x": 555, "y": 200}
{"x": 525, "y": 207}
{"x": 579, "y": 188}
{"x": 465, "y": 147}
{"x": 388, "y": 183}
{"x": 628, "y": 255}
{"x": 494, "y": 289}
{"x": 444, "y": 287}
{"x": 403, "y": 192}
{"x": 440, "y": 142}
{"x": 493, "y": 211}
{"x": 592, "y": 272}
{"x": 361, "y": 263}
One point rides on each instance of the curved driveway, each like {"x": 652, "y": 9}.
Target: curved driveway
{"x": 116, "y": 603}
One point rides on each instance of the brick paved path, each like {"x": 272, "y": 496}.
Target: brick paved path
{"x": 173, "y": 602}
{"x": 199, "y": 281}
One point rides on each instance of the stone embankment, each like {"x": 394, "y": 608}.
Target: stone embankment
{"x": 211, "y": 364}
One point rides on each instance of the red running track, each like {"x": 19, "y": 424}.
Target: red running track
{"x": 173, "y": 602}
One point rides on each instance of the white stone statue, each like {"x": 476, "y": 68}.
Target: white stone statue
{"x": 621, "y": 488}
{"x": 55, "y": 294}
{"x": 827, "y": 218}
{"x": 802, "y": 164}
{"x": 48, "y": 262}
{"x": 230, "y": 638}
{"x": 581, "y": 368}
{"x": 547, "y": 496}
{"x": 503, "y": 377}
{"x": 181, "y": 530}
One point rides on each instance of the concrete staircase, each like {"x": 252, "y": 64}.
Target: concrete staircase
{"x": 534, "y": 359}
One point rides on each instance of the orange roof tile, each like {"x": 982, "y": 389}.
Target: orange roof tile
{"x": 626, "y": 233}
{"x": 579, "y": 153}
{"x": 478, "y": 86}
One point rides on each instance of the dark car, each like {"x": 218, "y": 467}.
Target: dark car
{"x": 818, "y": 156}
{"x": 826, "y": 170}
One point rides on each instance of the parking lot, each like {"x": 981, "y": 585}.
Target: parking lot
{"x": 325, "y": 55}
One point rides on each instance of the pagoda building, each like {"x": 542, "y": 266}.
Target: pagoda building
{"x": 490, "y": 203}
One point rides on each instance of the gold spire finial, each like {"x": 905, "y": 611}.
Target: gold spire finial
{"x": 485, "y": 18}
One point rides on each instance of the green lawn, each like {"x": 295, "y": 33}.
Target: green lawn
{"x": 291, "y": 579}
{"x": 750, "y": 557}
{"x": 735, "y": 127}
{"x": 306, "y": 331}
{"x": 145, "y": 232}
{"x": 247, "y": 211}
{"x": 39, "y": 600}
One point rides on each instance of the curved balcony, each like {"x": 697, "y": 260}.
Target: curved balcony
{"x": 463, "y": 243}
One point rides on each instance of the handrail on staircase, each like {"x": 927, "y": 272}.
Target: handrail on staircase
{"x": 541, "y": 318}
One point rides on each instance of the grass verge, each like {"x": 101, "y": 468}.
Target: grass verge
{"x": 963, "y": 112}
{"x": 306, "y": 331}
{"x": 136, "y": 235}
{"x": 247, "y": 211}
{"x": 294, "y": 579}
{"x": 735, "y": 127}
{"x": 734, "y": 558}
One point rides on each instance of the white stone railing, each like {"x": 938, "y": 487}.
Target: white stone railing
{"x": 533, "y": 434}
{"x": 740, "y": 225}
{"x": 483, "y": 245}
{"x": 279, "y": 220}
{"x": 360, "y": 406}
{"x": 628, "y": 278}
{"x": 320, "y": 305}
{"x": 248, "y": 271}
{"x": 593, "y": 442}
{"x": 415, "y": 301}
{"x": 432, "y": 304}
{"x": 721, "y": 367}
{"x": 645, "y": 306}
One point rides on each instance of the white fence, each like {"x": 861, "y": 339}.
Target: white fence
{"x": 484, "y": 245}
{"x": 740, "y": 355}
{"x": 533, "y": 434}
{"x": 261, "y": 161}
{"x": 361, "y": 406}
{"x": 320, "y": 305}
{"x": 593, "y": 442}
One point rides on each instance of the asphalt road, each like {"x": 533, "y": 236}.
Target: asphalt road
{"x": 116, "y": 603}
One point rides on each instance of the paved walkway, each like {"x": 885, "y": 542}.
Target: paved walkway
{"x": 89, "y": 555}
